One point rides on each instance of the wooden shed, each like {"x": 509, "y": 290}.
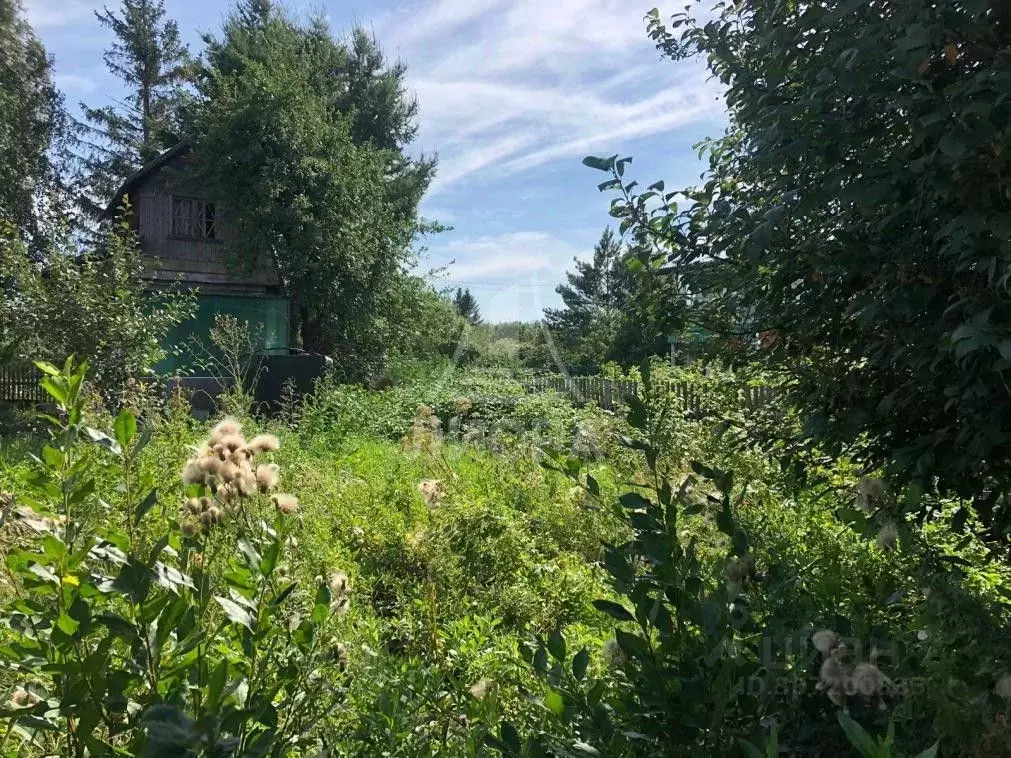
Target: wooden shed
{"x": 188, "y": 240}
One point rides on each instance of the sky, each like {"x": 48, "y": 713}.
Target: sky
{"x": 512, "y": 94}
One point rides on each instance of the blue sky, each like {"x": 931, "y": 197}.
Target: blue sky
{"x": 513, "y": 94}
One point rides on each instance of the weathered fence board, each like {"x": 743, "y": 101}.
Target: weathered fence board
{"x": 20, "y": 385}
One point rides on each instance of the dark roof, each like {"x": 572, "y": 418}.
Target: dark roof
{"x": 138, "y": 176}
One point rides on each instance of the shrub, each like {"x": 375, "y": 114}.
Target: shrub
{"x": 128, "y": 637}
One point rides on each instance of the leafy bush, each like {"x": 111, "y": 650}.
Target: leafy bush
{"x": 135, "y": 640}
{"x": 92, "y": 306}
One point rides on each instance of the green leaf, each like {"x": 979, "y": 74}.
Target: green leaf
{"x": 614, "y": 610}
{"x": 858, "y": 736}
{"x": 601, "y": 164}
{"x": 102, "y": 439}
{"x": 554, "y": 702}
{"x": 321, "y": 608}
{"x": 252, "y": 555}
{"x": 56, "y": 389}
{"x": 540, "y": 662}
{"x": 270, "y": 558}
{"x": 556, "y": 645}
{"x": 510, "y": 738}
{"x": 53, "y": 457}
{"x": 579, "y": 663}
{"x": 47, "y": 368}
{"x": 125, "y": 427}
{"x": 67, "y": 625}
{"x": 592, "y": 486}
{"x": 930, "y": 752}
{"x": 169, "y": 731}
{"x": 637, "y": 414}
{"x": 145, "y": 506}
{"x": 750, "y": 750}
{"x": 216, "y": 685}
{"x": 952, "y": 145}
{"x": 634, "y": 501}
{"x": 634, "y": 645}
{"x": 235, "y": 612}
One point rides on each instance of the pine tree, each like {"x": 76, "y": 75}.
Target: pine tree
{"x": 595, "y": 301}
{"x": 466, "y": 306}
{"x": 32, "y": 120}
{"x": 148, "y": 56}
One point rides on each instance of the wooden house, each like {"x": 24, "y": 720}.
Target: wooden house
{"x": 188, "y": 240}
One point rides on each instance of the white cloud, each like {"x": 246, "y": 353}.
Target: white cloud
{"x": 74, "y": 84}
{"x": 56, "y": 13}
{"x": 513, "y": 257}
{"x": 512, "y": 275}
{"x": 507, "y": 86}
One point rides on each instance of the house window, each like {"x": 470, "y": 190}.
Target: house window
{"x": 194, "y": 219}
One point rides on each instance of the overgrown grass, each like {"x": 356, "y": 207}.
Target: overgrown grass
{"x": 445, "y": 589}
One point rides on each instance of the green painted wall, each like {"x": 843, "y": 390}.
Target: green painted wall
{"x": 268, "y": 322}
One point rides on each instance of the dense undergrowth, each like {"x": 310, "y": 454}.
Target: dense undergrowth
{"x": 472, "y": 569}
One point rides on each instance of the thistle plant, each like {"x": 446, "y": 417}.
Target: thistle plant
{"x": 130, "y": 635}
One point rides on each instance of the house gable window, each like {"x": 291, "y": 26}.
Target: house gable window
{"x": 194, "y": 219}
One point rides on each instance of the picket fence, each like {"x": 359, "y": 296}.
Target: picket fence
{"x": 609, "y": 393}
{"x": 20, "y": 385}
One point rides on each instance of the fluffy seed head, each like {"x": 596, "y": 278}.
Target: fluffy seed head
{"x": 888, "y": 536}
{"x": 225, "y": 428}
{"x": 189, "y": 528}
{"x": 866, "y": 679}
{"x": 340, "y": 606}
{"x": 480, "y": 688}
{"x": 192, "y": 473}
{"x": 193, "y": 506}
{"x": 246, "y": 482}
{"x": 286, "y": 504}
{"x": 738, "y": 570}
{"x": 22, "y": 697}
{"x": 432, "y": 491}
{"x": 211, "y": 516}
{"x": 263, "y": 443}
{"x": 870, "y": 490}
{"x": 231, "y": 443}
{"x": 824, "y": 641}
{"x": 209, "y": 463}
{"x": 832, "y": 674}
{"x": 339, "y": 584}
{"x": 266, "y": 476}
{"x": 339, "y": 654}
{"x": 837, "y": 696}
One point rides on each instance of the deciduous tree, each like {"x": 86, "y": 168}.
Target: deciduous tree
{"x": 860, "y": 206}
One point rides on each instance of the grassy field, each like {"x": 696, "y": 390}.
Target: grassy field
{"x": 474, "y": 534}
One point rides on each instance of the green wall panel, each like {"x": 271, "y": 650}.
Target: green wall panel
{"x": 267, "y": 318}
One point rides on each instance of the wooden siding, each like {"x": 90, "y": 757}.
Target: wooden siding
{"x": 198, "y": 263}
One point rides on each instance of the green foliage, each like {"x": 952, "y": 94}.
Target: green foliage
{"x": 138, "y": 641}
{"x": 149, "y": 58}
{"x": 32, "y": 121}
{"x": 93, "y": 306}
{"x": 599, "y": 323}
{"x": 466, "y": 306}
{"x": 310, "y": 181}
{"x": 856, "y": 210}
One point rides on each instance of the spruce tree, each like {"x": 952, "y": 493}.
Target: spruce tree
{"x": 148, "y": 56}
{"x": 466, "y": 306}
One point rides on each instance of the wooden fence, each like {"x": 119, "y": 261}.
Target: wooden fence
{"x": 20, "y": 385}
{"x": 608, "y": 393}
